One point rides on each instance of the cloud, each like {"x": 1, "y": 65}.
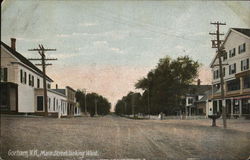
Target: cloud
{"x": 104, "y": 45}
{"x": 29, "y": 39}
{"x": 117, "y": 50}
{"x": 100, "y": 43}
{"x": 87, "y": 24}
{"x": 63, "y": 35}
{"x": 66, "y": 55}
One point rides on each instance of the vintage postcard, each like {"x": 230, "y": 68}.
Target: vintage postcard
{"x": 125, "y": 80}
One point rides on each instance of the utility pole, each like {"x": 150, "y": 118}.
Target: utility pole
{"x": 125, "y": 107}
{"x": 85, "y": 104}
{"x": 41, "y": 50}
{"x": 220, "y": 53}
{"x": 96, "y": 107}
{"x": 149, "y": 102}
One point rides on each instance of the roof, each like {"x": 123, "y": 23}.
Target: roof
{"x": 205, "y": 97}
{"x": 23, "y": 59}
{"x": 62, "y": 91}
{"x": 198, "y": 89}
{"x": 70, "y": 88}
{"x": 245, "y": 31}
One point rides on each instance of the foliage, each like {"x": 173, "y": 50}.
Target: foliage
{"x": 92, "y": 99}
{"x": 164, "y": 86}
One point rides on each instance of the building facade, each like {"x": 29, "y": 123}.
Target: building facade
{"x": 195, "y": 100}
{"x": 21, "y": 87}
{"x": 236, "y": 74}
{"x": 73, "y": 108}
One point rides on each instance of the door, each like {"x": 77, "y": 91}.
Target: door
{"x": 39, "y": 103}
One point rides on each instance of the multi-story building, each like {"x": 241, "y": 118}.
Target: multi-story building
{"x": 21, "y": 87}
{"x": 236, "y": 74}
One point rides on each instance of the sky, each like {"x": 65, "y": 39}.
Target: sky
{"x": 107, "y": 46}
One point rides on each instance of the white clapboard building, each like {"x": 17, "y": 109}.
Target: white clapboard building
{"x": 22, "y": 86}
{"x": 236, "y": 72}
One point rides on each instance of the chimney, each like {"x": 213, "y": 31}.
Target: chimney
{"x": 13, "y": 43}
{"x": 198, "y": 82}
{"x": 56, "y": 86}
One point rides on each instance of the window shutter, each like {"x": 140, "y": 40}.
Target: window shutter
{"x": 25, "y": 77}
{"x": 5, "y": 73}
{"x": 248, "y": 63}
{"x": 21, "y": 76}
{"x": 241, "y": 65}
{"x": 32, "y": 81}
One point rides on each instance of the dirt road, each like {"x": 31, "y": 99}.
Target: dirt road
{"x": 115, "y": 137}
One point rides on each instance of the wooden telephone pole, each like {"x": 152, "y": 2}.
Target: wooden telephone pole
{"x": 41, "y": 50}
{"x": 220, "y": 53}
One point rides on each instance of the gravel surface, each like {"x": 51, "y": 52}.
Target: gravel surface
{"x": 113, "y": 137}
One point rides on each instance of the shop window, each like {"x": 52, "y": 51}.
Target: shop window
{"x": 233, "y": 85}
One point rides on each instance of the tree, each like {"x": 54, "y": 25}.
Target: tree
{"x": 167, "y": 83}
{"x": 92, "y": 99}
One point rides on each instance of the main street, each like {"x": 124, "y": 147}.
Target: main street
{"x": 116, "y": 137}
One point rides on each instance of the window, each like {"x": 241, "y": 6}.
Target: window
{"x": 4, "y": 74}
{"x": 216, "y": 74}
{"x": 48, "y": 85}
{"x": 190, "y": 100}
{"x": 232, "y": 68}
{"x": 225, "y": 57}
{"x": 25, "y": 77}
{"x": 49, "y": 103}
{"x": 38, "y": 83}
{"x": 21, "y": 76}
{"x": 39, "y": 103}
{"x": 233, "y": 85}
{"x": 245, "y": 64}
{"x": 32, "y": 81}
{"x": 231, "y": 53}
{"x": 54, "y": 104}
{"x": 75, "y": 110}
{"x": 246, "y": 82}
{"x": 242, "y": 48}
{"x": 29, "y": 80}
{"x": 224, "y": 71}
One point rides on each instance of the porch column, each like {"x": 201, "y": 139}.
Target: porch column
{"x": 218, "y": 105}
{"x": 240, "y": 106}
{"x": 190, "y": 111}
{"x": 225, "y": 88}
{"x": 232, "y": 105}
{"x": 241, "y": 85}
{"x": 186, "y": 111}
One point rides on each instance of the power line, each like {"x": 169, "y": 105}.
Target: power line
{"x": 117, "y": 20}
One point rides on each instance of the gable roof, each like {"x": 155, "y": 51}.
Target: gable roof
{"x": 244, "y": 31}
{"x": 198, "y": 89}
{"x": 23, "y": 59}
